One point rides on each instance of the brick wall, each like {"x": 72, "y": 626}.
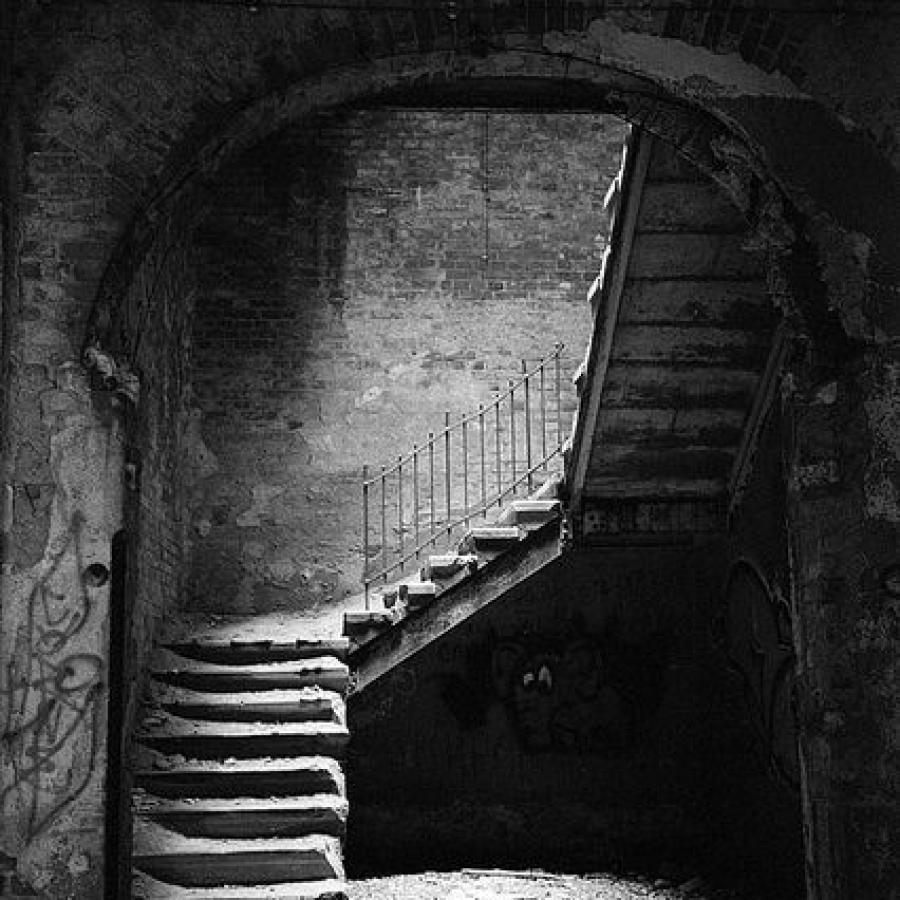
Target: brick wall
{"x": 360, "y": 275}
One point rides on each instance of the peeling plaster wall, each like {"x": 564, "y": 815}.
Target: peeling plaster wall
{"x": 360, "y": 275}
{"x": 53, "y": 640}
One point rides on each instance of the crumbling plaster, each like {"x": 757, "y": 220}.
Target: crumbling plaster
{"x": 54, "y": 643}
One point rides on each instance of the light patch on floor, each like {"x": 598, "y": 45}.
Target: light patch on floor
{"x": 476, "y": 884}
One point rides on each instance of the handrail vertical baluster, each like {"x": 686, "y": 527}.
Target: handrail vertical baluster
{"x": 415, "y": 456}
{"x": 365, "y": 527}
{"x": 527, "y": 379}
{"x": 483, "y": 468}
{"x": 384, "y": 549}
{"x": 512, "y": 434}
{"x": 465, "y": 456}
{"x": 447, "y": 468}
{"x": 497, "y": 453}
{"x": 431, "y": 484}
{"x": 559, "y": 439}
{"x": 400, "y": 511}
{"x": 543, "y": 415}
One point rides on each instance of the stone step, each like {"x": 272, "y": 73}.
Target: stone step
{"x": 305, "y": 704}
{"x": 247, "y": 817}
{"x": 236, "y": 652}
{"x": 363, "y": 625}
{"x": 530, "y": 512}
{"x": 146, "y": 888}
{"x": 213, "y": 862}
{"x": 219, "y": 740}
{"x": 490, "y": 537}
{"x": 447, "y": 565}
{"x": 417, "y": 594}
{"x": 326, "y": 672}
{"x": 169, "y": 776}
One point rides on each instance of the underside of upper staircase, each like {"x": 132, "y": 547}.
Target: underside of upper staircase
{"x": 671, "y": 395}
{"x": 684, "y": 328}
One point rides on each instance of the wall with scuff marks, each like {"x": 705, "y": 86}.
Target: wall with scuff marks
{"x": 585, "y": 720}
{"x": 360, "y": 275}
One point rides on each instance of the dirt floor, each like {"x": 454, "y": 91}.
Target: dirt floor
{"x": 477, "y": 884}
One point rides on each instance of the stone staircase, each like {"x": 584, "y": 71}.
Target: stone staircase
{"x": 449, "y": 586}
{"x": 239, "y": 789}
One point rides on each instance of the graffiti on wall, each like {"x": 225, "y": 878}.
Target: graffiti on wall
{"x": 51, "y": 690}
{"x": 564, "y": 692}
{"x": 755, "y": 634}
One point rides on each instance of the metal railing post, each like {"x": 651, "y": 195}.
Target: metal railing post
{"x": 400, "y": 510}
{"x": 416, "y": 498}
{"x": 365, "y": 526}
{"x": 527, "y": 379}
{"x": 431, "y": 484}
{"x": 512, "y": 434}
{"x": 384, "y": 562}
{"x": 447, "y": 468}
{"x": 543, "y": 414}
{"x": 559, "y": 439}
{"x": 497, "y": 454}
{"x": 483, "y": 469}
{"x": 465, "y": 456}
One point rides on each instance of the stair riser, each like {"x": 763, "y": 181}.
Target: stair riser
{"x": 212, "y": 869}
{"x": 240, "y": 784}
{"x": 256, "y": 824}
{"x": 307, "y": 711}
{"x": 250, "y": 654}
{"x": 240, "y": 681}
{"x": 249, "y": 746}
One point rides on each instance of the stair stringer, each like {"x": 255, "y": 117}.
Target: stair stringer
{"x": 421, "y": 628}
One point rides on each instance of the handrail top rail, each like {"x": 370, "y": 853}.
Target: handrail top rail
{"x": 435, "y": 436}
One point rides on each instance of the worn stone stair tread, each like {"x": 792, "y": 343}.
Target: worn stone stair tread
{"x": 209, "y": 862}
{"x": 441, "y": 566}
{"x": 491, "y": 534}
{"x": 247, "y": 817}
{"x": 203, "y": 739}
{"x": 525, "y": 512}
{"x": 264, "y": 776}
{"x": 146, "y": 888}
{"x": 230, "y": 652}
{"x": 327, "y": 672}
{"x": 311, "y": 703}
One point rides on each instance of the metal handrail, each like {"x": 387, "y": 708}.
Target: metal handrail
{"x": 428, "y": 525}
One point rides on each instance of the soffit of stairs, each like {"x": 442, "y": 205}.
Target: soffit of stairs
{"x": 510, "y": 570}
{"x": 672, "y": 396}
